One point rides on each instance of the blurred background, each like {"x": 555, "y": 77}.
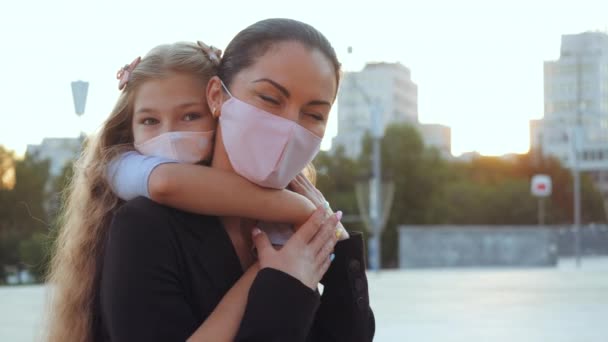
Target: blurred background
{"x": 469, "y": 141}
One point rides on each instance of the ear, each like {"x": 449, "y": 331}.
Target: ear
{"x": 215, "y": 96}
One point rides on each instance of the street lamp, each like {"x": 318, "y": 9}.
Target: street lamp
{"x": 378, "y": 209}
{"x": 577, "y": 194}
{"x": 576, "y": 174}
{"x": 79, "y": 95}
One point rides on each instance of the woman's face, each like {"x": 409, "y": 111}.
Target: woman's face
{"x": 175, "y": 103}
{"x": 290, "y": 80}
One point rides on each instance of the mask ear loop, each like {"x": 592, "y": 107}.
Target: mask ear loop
{"x": 226, "y": 89}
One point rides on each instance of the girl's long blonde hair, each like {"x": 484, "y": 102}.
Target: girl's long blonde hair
{"x": 87, "y": 212}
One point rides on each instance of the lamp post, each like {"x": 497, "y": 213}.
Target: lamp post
{"x": 580, "y": 108}
{"x": 79, "y": 95}
{"x": 377, "y": 213}
{"x": 375, "y": 192}
{"x": 577, "y": 197}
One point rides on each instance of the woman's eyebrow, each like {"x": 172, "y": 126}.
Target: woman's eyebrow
{"x": 319, "y": 103}
{"x": 276, "y": 85}
{"x": 287, "y": 94}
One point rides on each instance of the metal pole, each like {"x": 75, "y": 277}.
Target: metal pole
{"x": 376, "y": 216}
{"x": 577, "y": 214}
{"x": 575, "y": 168}
{"x": 577, "y": 196}
{"x": 541, "y": 211}
{"x": 376, "y": 189}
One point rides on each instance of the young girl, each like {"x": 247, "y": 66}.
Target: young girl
{"x": 163, "y": 92}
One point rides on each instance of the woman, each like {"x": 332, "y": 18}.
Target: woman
{"x": 163, "y": 276}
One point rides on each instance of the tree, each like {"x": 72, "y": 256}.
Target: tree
{"x": 337, "y": 176}
{"x": 7, "y": 170}
{"x": 418, "y": 174}
{"x": 22, "y": 212}
{"x": 432, "y": 190}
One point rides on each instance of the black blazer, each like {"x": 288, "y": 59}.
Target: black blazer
{"x": 165, "y": 270}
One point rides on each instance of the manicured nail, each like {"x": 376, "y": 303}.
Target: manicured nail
{"x": 256, "y": 231}
{"x": 332, "y": 256}
{"x": 339, "y": 215}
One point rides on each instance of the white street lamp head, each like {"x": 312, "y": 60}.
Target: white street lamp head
{"x": 79, "y": 94}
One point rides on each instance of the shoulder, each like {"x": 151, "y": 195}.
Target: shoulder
{"x": 141, "y": 221}
{"x": 142, "y": 218}
{"x": 142, "y": 209}
{"x": 143, "y": 206}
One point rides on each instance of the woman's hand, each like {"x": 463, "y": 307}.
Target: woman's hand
{"x": 304, "y": 187}
{"x": 306, "y": 255}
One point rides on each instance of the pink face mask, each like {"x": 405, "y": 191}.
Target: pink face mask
{"x": 185, "y": 147}
{"x": 265, "y": 148}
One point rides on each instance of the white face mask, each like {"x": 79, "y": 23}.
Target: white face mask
{"x": 185, "y": 147}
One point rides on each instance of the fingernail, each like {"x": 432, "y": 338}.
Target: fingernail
{"x": 332, "y": 256}
{"x": 256, "y": 231}
{"x": 339, "y": 215}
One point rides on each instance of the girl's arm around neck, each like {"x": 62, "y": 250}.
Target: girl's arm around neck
{"x": 209, "y": 191}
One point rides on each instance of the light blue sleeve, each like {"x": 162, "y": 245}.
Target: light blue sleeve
{"x": 128, "y": 174}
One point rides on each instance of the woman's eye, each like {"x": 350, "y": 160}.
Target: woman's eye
{"x": 191, "y": 116}
{"x": 149, "y": 121}
{"x": 315, "y": 116}
{"x": 270, "y": 99}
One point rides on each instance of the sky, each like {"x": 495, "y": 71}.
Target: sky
{"x": 478, "y": 64}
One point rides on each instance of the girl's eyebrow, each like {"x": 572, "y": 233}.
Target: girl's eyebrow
{"x": 146, "y": 110}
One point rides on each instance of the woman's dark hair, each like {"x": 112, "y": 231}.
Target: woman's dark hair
{"x": 255, "y": 40}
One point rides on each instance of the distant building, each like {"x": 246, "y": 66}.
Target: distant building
{"x": 576, "y": 106}
{"x": 59, "y": 151}
{"x": 389, "y": 89}
{"x": 437, "y": 136}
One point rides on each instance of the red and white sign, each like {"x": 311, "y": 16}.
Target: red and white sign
{"x": 541, "y": 185}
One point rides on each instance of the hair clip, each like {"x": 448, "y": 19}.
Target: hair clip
{"x": 212, "y": 52}
{"x": 124, "y": 74}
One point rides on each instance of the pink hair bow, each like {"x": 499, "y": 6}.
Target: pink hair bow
{"x": 124, "y": 74}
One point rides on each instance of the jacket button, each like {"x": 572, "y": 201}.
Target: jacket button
{"x": 361, "y": 303}
{"x": 359, "y": 285}
{"x": 354, "y": 266}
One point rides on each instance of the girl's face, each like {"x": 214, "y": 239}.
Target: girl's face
{"x": 175, "y": 103}
{"x": 292, "y": 81}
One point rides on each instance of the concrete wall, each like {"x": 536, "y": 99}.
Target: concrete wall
{"x": 458, "y": 246}
{"x": 593, "y": 240}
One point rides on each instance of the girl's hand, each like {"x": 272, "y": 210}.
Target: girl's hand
{"x": 306, "y": 255}
{"x": 304, "y": 187}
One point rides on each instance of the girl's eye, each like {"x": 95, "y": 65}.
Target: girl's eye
{"x": 270, "y": 99}
{"x": 192, "y": 116}
{"x": 149, "y": 121}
